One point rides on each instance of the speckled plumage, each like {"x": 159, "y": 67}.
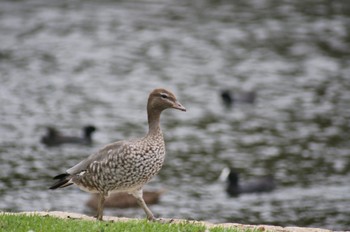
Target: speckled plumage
{"x": 125, "y": 166}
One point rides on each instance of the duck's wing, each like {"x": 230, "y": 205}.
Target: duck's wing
{"x": 113, "y": 148}
{"x": 65, "y": 179}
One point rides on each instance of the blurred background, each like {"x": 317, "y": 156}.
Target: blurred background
{"x": 72, "y": 63}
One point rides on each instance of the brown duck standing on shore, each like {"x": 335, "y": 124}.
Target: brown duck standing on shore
{"x": 125, "y": 166}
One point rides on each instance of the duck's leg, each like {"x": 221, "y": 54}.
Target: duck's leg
{"x": 138, "y": 194}
{"x": 100, "y": 205}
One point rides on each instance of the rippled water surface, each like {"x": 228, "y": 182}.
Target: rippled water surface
{"x": 74, "y": 63}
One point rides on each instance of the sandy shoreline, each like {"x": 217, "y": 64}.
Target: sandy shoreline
{"x": 65, "y": 215}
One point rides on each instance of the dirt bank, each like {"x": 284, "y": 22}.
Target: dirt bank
{"x": 207, "y": 224}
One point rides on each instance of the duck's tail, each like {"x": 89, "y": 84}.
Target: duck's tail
{"x": 64, "y": 180}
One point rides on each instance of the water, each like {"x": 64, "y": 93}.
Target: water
{"x": 74, "y": 63}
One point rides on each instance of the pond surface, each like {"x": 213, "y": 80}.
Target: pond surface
{"x": 73, "y": 63}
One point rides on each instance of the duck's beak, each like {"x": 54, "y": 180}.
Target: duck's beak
{"x": 177, "y": 105}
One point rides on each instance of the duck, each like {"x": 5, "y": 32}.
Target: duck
{"x": 235, "y": 187}
{"x": 126, "y": 165}
{"x": 54, "y": 138}
{"x": 125, "y": 200}
{"x": 229, "y": 98}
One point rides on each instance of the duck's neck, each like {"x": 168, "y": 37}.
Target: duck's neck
{"x": 154, "y": 123}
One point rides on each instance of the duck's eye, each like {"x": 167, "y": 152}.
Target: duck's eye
{"x": 163, "y": 95}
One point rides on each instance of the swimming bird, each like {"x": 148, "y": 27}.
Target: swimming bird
{"x": 229, "y": 99}
{"x": 235, "y": 187}
{"x": 54, "y": 138}
{"x": 127, "y": 165}
{"x": 125, "y": 200}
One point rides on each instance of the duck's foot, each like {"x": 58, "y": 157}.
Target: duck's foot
{"x": 98, "y": 217}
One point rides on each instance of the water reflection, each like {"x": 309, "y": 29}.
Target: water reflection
{"x": 75, "y": 63}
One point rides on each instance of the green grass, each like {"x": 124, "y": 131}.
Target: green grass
{"x": 35, "y": 223}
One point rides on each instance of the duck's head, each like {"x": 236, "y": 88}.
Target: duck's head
{"x": 161, "y": 99}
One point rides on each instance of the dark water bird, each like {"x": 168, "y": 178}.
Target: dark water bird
{"x": 229, "y": 98}
{"x": 125, "y": 166}
{"x": 54, "y": 138}
{"x": 125, "y": 200}
{"x": 235, "y": 187}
